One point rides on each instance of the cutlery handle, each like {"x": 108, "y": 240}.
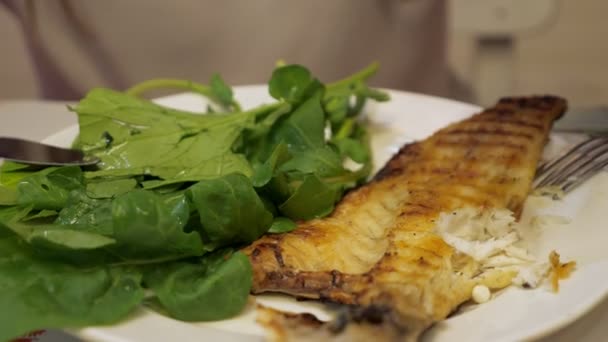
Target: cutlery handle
{"x": 35, "y": 153}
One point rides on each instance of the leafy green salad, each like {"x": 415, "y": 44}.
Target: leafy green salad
{"x": 160, "y": 220}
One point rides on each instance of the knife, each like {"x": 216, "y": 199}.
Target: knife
{"x": 35, "y": 153}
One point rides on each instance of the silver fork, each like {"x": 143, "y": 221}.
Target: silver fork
{"x": 575, "y": 166}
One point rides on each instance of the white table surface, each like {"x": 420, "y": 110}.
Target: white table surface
{"x": 36, "y": 120}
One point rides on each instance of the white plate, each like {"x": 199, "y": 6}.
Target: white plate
{"x": 513, "y": 315}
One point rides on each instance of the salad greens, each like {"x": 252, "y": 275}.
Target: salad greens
{"x": 160, "y": 219}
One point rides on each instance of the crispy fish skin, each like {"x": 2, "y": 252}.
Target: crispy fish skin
{"x": 377, "y": 251}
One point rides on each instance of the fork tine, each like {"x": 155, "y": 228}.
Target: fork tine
{"x": 592, "y": 161}
{"x": 590, "y": 165}
{"x": 551, "y": 164}
{"x": 584, "y": 176}
{"x": 580, "y": 156}
{"x": 577, "y": 164}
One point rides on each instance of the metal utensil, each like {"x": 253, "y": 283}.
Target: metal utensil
{"x": 35, "y": 153}
{"x": 574, "y": 166}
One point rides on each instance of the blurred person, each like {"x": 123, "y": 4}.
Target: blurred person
{"x": 77, "y": 45}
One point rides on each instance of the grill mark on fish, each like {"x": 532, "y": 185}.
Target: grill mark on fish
{"x": 453, "y": 173}
{"x": 542, "y": 103}
{"x": 490, "y": 132}
{"x": 477, "y": 143}
{"x": 499, "y": 121}
{"x": 411, "y": 273}
{"x": 271, "y": 246}
{"x": 407, "y": 151}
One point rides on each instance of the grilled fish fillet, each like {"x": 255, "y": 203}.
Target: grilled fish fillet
{"x": 378, "y": 254}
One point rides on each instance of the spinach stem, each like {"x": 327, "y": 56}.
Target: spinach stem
{"x": 346, "y": 129}
{"x": 160, "y": 83}
{"x": 265, "y": 108}
{"x": 361, "y": 75}
{"x": 171, "y": 83}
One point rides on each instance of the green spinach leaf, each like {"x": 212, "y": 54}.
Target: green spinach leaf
{"x": 54, "y": 236}
{"x": 322, "y": 161}
{"x": 36, "y": 293}
{"x": 290, "y": 83}
{"x": 134, "y": 137}
{"x": 216, "y": 167}
{"x": 221, "y": 91}
{"x": 108, "y": 119}
{"x": 68, "y": 238}
{"x": 8, "y": 196}
{"x": 230, "y": 210}
{"x": 263, "y": 173}
{"x": 94, "y": 215}
{"x": 304, "y": 128}
{"x": 312, "y": 199}
{"x": 147, "y": 226}
{"x": 217, "y": 287}
{"x": 282, "y": 225}
{"x": 108, "y": 188}
{"x": 9, "y": 166}
{"x": 40, "y": 215}
{"x": 49, "y": 188}
{"x": 354, "y": 149}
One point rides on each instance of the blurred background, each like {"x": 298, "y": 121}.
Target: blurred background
{"x": 553, "y": 46}
{"x": 494, "y": 48}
